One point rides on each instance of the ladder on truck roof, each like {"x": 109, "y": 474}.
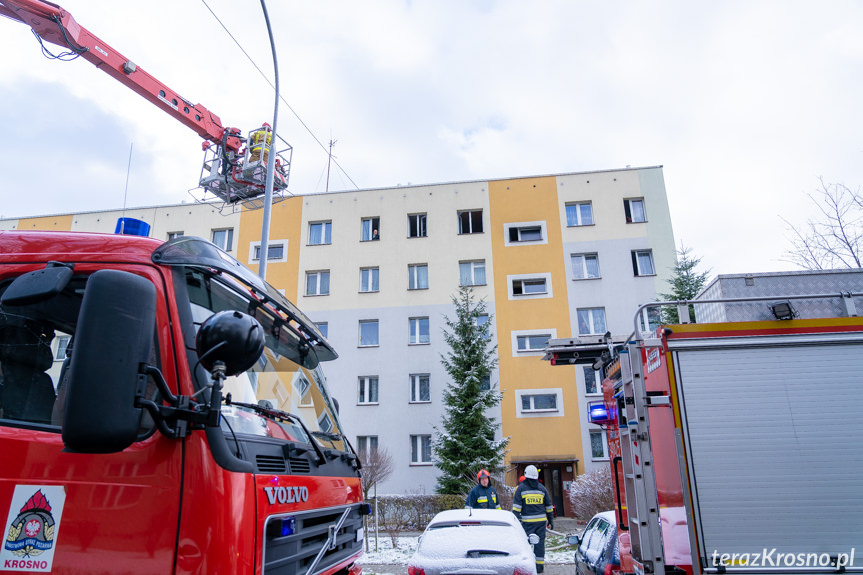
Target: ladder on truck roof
{"x": 642, "y": 501}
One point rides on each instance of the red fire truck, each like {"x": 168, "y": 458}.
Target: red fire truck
{"x": 163, "y": 410}
{"x": 734, "y": 445}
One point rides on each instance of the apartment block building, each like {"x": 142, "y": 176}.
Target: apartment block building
{"x": 552, "y": 256}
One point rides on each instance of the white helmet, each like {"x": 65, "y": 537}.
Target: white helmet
{"x": 531, "y": 472}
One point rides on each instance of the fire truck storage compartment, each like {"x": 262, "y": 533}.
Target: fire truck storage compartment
{"x": 773, "y": 435}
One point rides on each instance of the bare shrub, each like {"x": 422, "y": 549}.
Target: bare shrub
{"x": 591, "y": 493}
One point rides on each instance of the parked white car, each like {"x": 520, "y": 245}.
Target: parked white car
{"x": 475, "y": 542}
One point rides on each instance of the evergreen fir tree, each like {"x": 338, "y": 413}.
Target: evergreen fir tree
{"x": 465, "y": 442}
{"x": 686, "y": 283}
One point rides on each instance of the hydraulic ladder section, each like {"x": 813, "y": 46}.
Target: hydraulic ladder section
{"x": 637, "y": 459}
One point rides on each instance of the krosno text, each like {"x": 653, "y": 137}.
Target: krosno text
{"x": 774, "y": 558}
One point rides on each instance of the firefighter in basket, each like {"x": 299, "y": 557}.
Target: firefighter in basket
{"x": 259, "y": 140}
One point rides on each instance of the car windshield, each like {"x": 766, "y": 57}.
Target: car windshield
{"x": 287, "y": 377}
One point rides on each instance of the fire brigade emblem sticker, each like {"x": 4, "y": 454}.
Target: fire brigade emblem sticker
{"x": 32, "y": 527}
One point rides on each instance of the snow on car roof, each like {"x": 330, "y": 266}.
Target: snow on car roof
{"x": 483, "y": 516}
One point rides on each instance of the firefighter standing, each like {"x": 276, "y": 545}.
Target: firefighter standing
{"x": 483, "y": 495}
{"x": 259, "y": 140}
{"x": 532, "y": 506}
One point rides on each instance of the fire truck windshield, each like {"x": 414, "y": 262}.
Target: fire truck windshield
{"x": 287, "y": 377}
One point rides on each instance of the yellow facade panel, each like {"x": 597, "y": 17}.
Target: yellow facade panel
{"x": 285, "y": 224}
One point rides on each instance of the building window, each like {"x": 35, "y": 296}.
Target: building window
{"x": 367, "y": 390}
{"x": 592, "y": 380}
{"x": 481, "y": 319}
{"x": 417, "y": 226}
{"x": 420, "y": 392}
{"x": 62, "y": 344}
{"x": 591, "y": 321}
{"x": 320, "y": 233}
{"x": 325, "y": 424}
{"x": 634, "y": 209}
{"x": 585, "y": 266}
{"x": 302, "y": 386}
{"x": 642, "y": 263}
{"x": 369, "y": 279}
{"x": 172, "y": 235}
{"x": 224, "y": 238}
{"x": 470, "y": 222}
{"x": 421, "y": 450}
{"x": 324, "y": 328}
{"x": 472, "y": 273}
{"x": 525, "y": 232}
{"x": 318, "y": 283}
{"x": 536, "y": 342}
{"x": 539, "y": 402}
{"x": 598, "y": 445}
{"x": 485, "y": 383}
{"x": 368, "y": 333}
{"x": 529, "y": 286}
{"x": 371, "y": 229}
{"x": 650, "y": 319}
{"x": 419, "y": 330}
{"x": 276, "y": 251}
{"x": 579, "y": 214}
{"x": 367, "y": 444}
{"x": 418, "y": 276}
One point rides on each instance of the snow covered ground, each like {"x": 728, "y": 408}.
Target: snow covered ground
{"x": 387, "y": 555}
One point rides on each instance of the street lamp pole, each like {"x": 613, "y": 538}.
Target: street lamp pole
{"x": 271, "y": 160}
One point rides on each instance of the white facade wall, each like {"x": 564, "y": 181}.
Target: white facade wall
{"x": 394, "y": 419}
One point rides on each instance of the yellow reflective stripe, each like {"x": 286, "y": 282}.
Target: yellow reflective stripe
{"x": 533, "y": 520}
{"x": 482, "y": 500}
{"x": 540, "y": 561}
{"x": 549, "y": 509}
{"x": 516, "y": 507}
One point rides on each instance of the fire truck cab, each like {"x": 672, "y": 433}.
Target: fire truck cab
{"x": 163, "y": 410}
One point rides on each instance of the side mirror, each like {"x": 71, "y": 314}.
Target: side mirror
{"x": 37, "y": 286}
{"x": 231, "y": 337}
{"x": 336, "y": 404}
{"x": 114, "y": 336}
{"x": 574, "y": 540}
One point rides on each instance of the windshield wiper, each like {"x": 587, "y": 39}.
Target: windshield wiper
{"x": 327, "y": 435}
{"x": 275, "y": 414}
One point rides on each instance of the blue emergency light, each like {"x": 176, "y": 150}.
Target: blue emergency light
{"x": 598, "y": 413}
{"x": 132, "y": 227}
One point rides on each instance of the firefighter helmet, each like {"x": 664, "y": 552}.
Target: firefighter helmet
{"x": 483, "y": 473}
{"x": 531, "y": 472}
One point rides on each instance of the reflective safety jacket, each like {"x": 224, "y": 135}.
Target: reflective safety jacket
{"x": 482, "y": 498}
{"x": 532, "y": 503}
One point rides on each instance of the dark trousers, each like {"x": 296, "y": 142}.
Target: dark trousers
{"x": 537, "y": 528}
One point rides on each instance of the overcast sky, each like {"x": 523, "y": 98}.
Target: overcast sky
{"x": 745, "y": 104}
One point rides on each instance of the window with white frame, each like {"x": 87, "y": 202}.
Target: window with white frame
{"x": 371, "y": 228}
{"x": 591, "y": 320}
{"x": 417, "y": 226}
{"x": 369, "y": 280}
{"x": 598, "y": 445}
{"x": 470, "y": 222}
{"x": 367, "y": 390}
{"x": 172, "y": 235}
{"x": 592, "y": 380}
{"x": 419, "y": 328}
{"x": 302, "y": 385}
{"x": 650, "y": 319}
{"x": 539, "y": 402}
{"x": 367, "y": 444}
{"x": 325, "y": 424}
{"x": 420, "y": 390}
{"x": 525, "y": 233}
{"x": 324, "y": 328}
{"x": 642, "y": 263}
{"x": 585, "y": 266}
{"x": 318, "y": 282}
{"x": 634, "y": 209}
{"x": 579, "y": 214}
{"x": 418, "y": 276}
{"x": 421, "y": 450}
{"x": 472, "y": 273}
{"x": 277, "y": 250}
{"x": 530, "y": 286}
{"x": 224, "y": 238}
{"x": 320, "y": 233}
{"x": 368, "y": 333}
{"x": 535, "y": 342}
{"x": 62, "y": 344}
